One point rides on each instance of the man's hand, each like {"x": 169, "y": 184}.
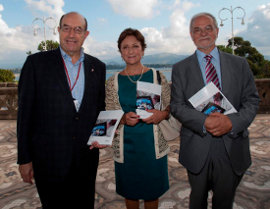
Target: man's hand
{"x": 218, "y": 124}
{"x": 97, "y": 145}
{"x": 27, "y": 173}
{"x": 156, "y": 117}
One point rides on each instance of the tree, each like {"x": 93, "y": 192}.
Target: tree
{"x": 225, "y": 49}
{"x": 28, "y": 53}
{"x": 255, "y": 59}
{"x": 6, "y": 75}
{"x": 265, "y": 70}
{"x": 50, "y": 45}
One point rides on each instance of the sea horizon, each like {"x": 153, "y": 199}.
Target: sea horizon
{"x": 165, "y": 70}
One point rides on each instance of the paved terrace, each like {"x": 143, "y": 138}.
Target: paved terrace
{"x": 253, "y": 192}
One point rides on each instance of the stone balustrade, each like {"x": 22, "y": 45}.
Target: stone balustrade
{"x": 263, "y": 87}
{"x": 9, "y": 99}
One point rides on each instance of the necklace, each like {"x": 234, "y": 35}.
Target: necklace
{"x": 132, "y": 81}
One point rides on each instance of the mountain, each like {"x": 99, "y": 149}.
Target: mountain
{"x": 114, "y": 61}
{"x": 161, "y": 58}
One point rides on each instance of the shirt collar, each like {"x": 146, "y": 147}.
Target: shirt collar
{"x": 66, "y": 57}
{"x": 201, "y": 55}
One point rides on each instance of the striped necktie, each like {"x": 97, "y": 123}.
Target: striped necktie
{"x": 211, "y": 75}
{"x": 210, "y": 72}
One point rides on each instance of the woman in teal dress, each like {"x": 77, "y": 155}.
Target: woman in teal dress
{"x": 140, "y": 150}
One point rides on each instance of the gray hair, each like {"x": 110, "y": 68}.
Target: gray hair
{"x": 203, "y": 14}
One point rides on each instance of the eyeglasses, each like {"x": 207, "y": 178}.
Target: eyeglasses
{"x": 207, "y": 29}
{"x": 67, "y": 29}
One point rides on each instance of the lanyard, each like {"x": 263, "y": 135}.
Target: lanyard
{"x": 77, "y": 77}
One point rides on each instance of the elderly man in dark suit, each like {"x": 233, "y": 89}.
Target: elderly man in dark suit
{"x": 61, "y": 93}
{"x": 214, "y": 149}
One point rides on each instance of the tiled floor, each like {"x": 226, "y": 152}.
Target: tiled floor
{"x": 253, "y": 192}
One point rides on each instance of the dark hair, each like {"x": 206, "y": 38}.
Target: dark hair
{"x": 131, "y": 32}
{"x": 60, "y": 22}
{"x": 203, "y": 14}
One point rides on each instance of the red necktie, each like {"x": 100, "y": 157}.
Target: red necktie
{"x": 210, "y": 72}
{"x": 211, "y": 75}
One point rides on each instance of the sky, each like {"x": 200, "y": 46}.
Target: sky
{"x": 164, "y": 24}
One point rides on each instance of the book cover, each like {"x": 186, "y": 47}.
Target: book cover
{"x": 210, "y": 99}
{"x": 148, "y": 98}
{"x": 105, "y": 127}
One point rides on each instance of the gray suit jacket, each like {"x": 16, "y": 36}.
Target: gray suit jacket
{"x": 238, "y": 86}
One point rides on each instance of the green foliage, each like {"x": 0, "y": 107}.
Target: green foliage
{"x": 50, "y": 45}
{"x": 265, "y": 71}
{"x": 6, "y": 75}
{"x": 259, "y": 66}
{"x": 225, "y": 49}
{"x": 29, "y": 53}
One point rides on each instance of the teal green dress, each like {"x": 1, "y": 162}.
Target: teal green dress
{"x": 141, "y": 176}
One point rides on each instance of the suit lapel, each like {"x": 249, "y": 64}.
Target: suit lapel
{"x": 89, "y": 76}
{"x": 61, "y": 75}
{"x": 225, "y": 73}
{"x": 196, "y": 73}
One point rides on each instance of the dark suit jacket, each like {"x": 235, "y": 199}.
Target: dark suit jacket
{"x": 51, "y": 134}
{"x": 238, "y": 86}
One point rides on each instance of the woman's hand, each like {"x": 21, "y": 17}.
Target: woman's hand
{"x": 130, "y": 119}
{"x": 156, "y": 117}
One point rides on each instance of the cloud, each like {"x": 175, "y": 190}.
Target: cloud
{"x": 259, "y": 24}
{"x": 15, "y": 42}
{"x": 174, "y": 38}
{"x": 102, "y": 50}
{"x": 171, "y": 39}
{"x": 48, "y": 7}
{"x": 102, "y": 20}
{"x": 134, "y": 8}
{"x": 3, "y": 26}
{"x": 11, "y": 40}
{"x": 265, "y": 9}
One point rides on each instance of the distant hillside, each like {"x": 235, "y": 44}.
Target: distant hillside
{"x": 162, "y": 58}
{"x": 114, "y": 63}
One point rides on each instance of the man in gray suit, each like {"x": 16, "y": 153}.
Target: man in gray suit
{"x": 215, "y": 148}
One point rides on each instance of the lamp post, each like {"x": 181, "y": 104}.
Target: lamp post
{"x": 231, "y": 10}
{"x": 45, "y": 22}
